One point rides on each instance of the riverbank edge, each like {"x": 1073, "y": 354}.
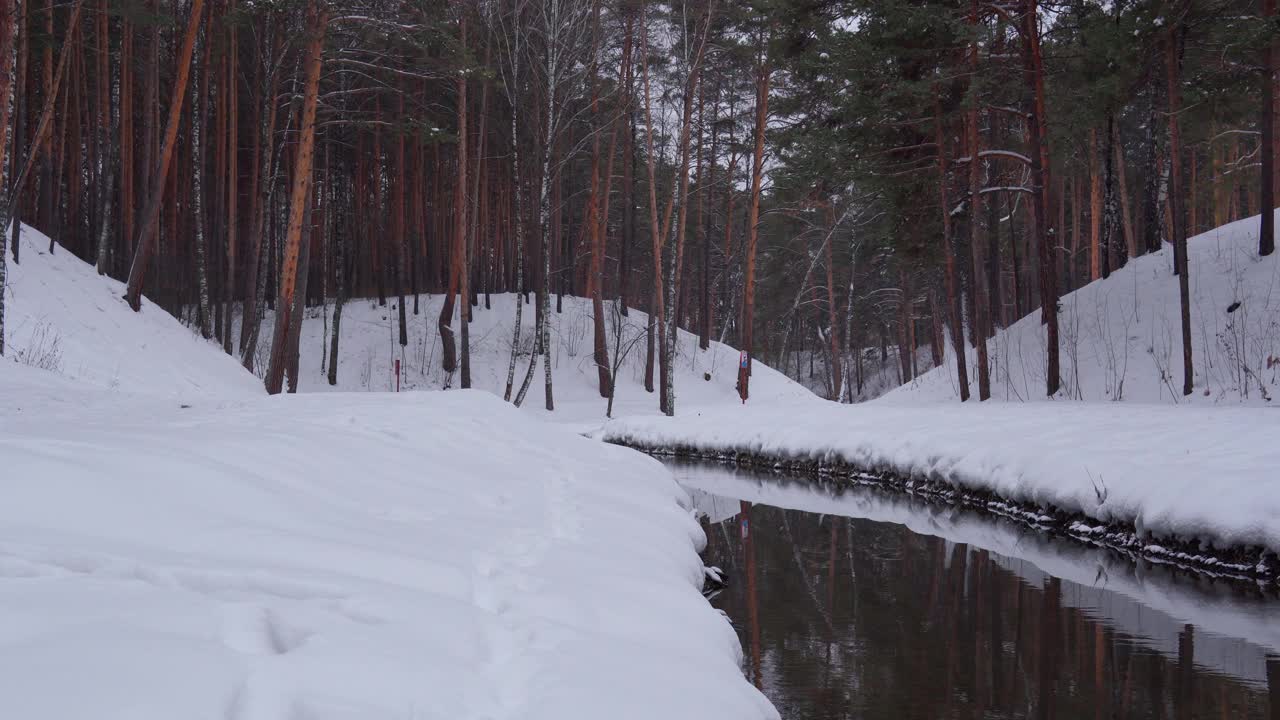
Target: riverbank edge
{"x": 1241, "y": 564}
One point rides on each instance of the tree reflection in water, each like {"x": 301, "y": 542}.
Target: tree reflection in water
{"x": 845, "y": 617}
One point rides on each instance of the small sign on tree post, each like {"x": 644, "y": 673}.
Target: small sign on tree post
{"x": 744, "y": 366}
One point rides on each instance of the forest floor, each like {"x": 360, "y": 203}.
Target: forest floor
{"x": 175, "y": 543}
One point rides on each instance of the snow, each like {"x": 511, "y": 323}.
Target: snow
{"x": 60, "y": 315}
{"x": 369, "y": 345}
{"x": 1202, "y": 470}
{"x": 176, "y": 544}
{"x": 1121, "y": 337}
{"x": 1198, "y": 473}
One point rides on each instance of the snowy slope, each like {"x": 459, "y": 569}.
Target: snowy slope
{"x": 60, "y": 315}
{"x": 1121, "y": 337}
{"x": 344, "y": 556}
{"x": 369, "y": 345}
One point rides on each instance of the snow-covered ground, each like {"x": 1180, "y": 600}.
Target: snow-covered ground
{"x": 369, "y": 345}
{"x": 176, "y": 544}
{"x": 1195, "y": 473}
{"x": 61, "y": 316}
{"x": 1201, "y": 470}
{"x": 1122, "y": 338}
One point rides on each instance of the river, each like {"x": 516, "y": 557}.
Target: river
{"x": 857, "y": 602}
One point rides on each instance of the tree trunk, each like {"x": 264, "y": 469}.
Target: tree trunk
{"x": 657, "y": 304}
{"x": 233, "y": 178}
{"x": 399, "y": 236}
{"x": 596, "y": 223}
{"x": 299, "y": 196}
{"x": 949, "y": 255}
{"x": 1109, "y": 216}
{"x": 104, "y": 128}
{"x": 8, "y": 31}
{"x": 1172, "y": 59}
{"x": 1121, "y": 172}
{"x": 763, "y": 72}
{"x": 12, "y": 207}
{"x": 980, "y": 293}
{"x": 460, "y": 217}
{"x": 263, "y": 169}
{"x": 1095, "y": 208}
{"x": 145, "y": 244}
{"x": 517, "y": 224}
{"x": 340, "y": 291}
{"x": 1267, "y": 199}
{"x": 833, "y": 332}
{"x": 676, "y": 266}
{"x": 196, "y": 137}
{"x": 1041, "y": 180}
{"x": 297, "y": 309}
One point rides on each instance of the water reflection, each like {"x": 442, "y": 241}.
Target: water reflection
{"x": 865, "y": 604}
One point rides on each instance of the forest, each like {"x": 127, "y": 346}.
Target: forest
{"x": 820, "y": 177}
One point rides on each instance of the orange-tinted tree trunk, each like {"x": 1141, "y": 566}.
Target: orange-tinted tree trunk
{"x": 299, "y": 196}
{"x": 145, "y": 244}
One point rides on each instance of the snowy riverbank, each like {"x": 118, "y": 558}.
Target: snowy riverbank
{"x": 420, "y": 555}
{"x": 1196, "y": 486}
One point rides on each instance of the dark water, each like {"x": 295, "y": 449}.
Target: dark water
{"x": 866, "y": 604}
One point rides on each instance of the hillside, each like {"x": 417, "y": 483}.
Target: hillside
{"x": 61, "y": 316}
{"x": 369, "y": 345}
{"x": 1121, "y": 338}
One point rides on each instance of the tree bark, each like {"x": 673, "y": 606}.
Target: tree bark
{"x": 233, "y": 179}
{"x": 1172, "y": 59}
{"x": 949, "y": 255}
{"x": 196, "y": 137}
{"x": 12, "y": 200}
{"x": 1267, "y": 198}
{"x": 1095, "y": 208}
{"x": 299, "y": 196}
{"x": 1121, "y": 172}
{"x": 980, "y": 293}
{"x": 596, "y": 220}
{"x": 763, "y": 72}
{"x": 8, "y": 31}
{"x": 657, "y": 304}
{"x": 145, "y": 244}
{"x": 460, "y": 216}
{"x": 1041, "y": 179}
{"x": 263, "y": 169}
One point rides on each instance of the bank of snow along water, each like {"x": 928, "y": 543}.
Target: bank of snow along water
{"x": 1118, "y": 459}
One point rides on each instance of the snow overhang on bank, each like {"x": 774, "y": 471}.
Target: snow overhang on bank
{"x": 1194, "y": 486}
